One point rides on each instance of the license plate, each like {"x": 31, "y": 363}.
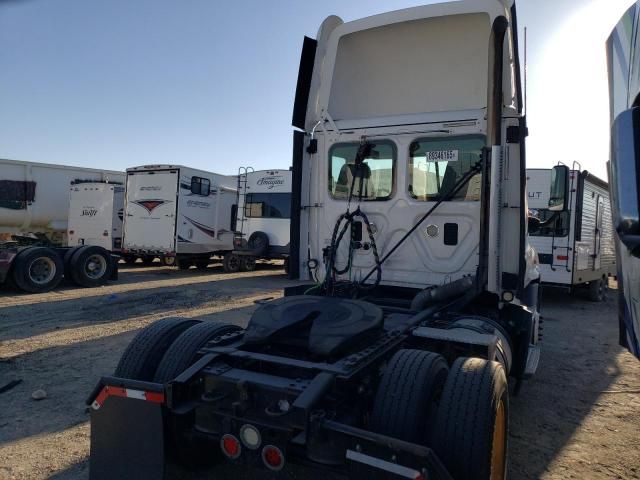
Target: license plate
{"x": 442, "y": 156}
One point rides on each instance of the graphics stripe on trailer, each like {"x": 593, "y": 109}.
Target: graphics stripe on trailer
{"x": 110, "y": 391}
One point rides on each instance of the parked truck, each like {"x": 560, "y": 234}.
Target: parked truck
{"x": 575, "y": 247}
{"x": 623, "y": 47}
{"x": 180, "y": 214}
{"x": 419, "y": 295}
{"x": 34, "y": 197}
{"x": 264, "y": 216}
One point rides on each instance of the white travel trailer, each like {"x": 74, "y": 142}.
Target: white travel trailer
{"x": 95, "y": 215}
{"x": 34, "y": 197}
{"x": 623, "y": 47}
{"x": 179, "y": 213}
{"x": 264, "y": 215}
{"x": 575, "y": 247}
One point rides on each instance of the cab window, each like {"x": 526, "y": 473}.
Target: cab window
{"x": 437, "y": 164}
{"x": 377, "y": 170}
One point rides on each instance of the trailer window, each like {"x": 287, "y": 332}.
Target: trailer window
{"x": 200, "y": 186}
{"x": 268, "y": 205}
{"x": 556, "y": 228}
{"x": 437, "y": 164}
{"x": 379, "y": 171}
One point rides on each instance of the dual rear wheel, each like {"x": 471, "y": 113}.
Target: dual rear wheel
{"x": 461, "y": 412}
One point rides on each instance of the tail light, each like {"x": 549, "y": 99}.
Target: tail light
{"x": 562, "y": 257}
{"x": 230, "y": 446}
{"x": 272, "y": 457}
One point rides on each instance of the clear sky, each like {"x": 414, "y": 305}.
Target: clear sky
{"x": 210, "y": 84}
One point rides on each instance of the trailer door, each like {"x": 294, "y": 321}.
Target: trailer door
{"x": 597, "y": 248}
{"x": 150, "y": 218}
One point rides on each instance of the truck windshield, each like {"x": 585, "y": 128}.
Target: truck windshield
{"x": 437, "y": 164}
{"x": 378, "y": 171}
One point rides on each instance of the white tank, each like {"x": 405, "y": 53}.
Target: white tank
{"x": 34, "y": 197}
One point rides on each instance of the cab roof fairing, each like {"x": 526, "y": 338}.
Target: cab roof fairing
{"x": 333, "y": 29}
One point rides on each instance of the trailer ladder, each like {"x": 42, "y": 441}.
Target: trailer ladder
{"x": 241, "y": 196}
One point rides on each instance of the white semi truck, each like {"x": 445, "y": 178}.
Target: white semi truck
{"x": 264, "y": 216}
{"x": 181, "y": 214}
{"x": 623, "y": 51}
{"x": 34, "y": 197}
{"x": 576, "y": 247}
{"x": 419, "y": 300}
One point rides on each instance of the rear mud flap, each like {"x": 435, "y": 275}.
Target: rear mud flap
{"x": 127, "y": 440}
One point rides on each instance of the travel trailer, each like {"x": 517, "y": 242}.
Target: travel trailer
{"x": 419, "y": 292}
{"x": 576, "y": 247}
{"x": 624, "y": 169}
{"x": 95, "y": 215}
{"x": 264, "y": 215}
{"x": 34, "y": 197}
{"x": 180, "y": 214}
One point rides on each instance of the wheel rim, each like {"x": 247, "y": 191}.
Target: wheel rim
{"x": 499, "y": 449}
{"x": 234, "y": 262}
{"x": 42, "y": 270}
{"x": 170, "y": 261}
{"x": 95, "y": 266}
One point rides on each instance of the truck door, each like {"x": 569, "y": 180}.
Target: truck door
{"x": 150, "y": 218}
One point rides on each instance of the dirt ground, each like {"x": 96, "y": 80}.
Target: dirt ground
{"x": 578, "y": 418}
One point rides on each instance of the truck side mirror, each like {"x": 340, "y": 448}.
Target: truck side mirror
{"x": 624, "y": 171}
{"x": 559, "y": 194}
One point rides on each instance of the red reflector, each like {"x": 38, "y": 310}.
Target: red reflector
{"x": 230, "y": 446}
{"x": 562, "y": 257}
{"x": 273, "y": 457}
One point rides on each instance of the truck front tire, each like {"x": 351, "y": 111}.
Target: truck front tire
{"x": 471, "y": 427}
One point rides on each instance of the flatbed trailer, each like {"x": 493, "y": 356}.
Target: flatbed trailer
{"x": 419, "y": 292}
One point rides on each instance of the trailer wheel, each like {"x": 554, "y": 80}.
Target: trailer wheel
{"x": 130, "y": 259}
{"x": 168, "y": 261}
{"x": 407, "y": 398}
{"x": 90, "y": 266}
{"x": 471, "y": 427}
{"x": 148, "y": 260}
{"x": 202, "y": 263}
{"x": 37, "y": 269}
{"x": 248, "y": 264}
{"x": 258, "y": 243}
{"x": 142, "y": 356}
{"x": 184, "y": 264}
{"x": 231, "y": 263}
{"x": 183, "y": 351}
{"x": 598, "y": 290}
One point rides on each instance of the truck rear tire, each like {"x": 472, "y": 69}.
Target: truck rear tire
{"x": 248, "y": 264}
{"x": 37, "y": 270}
{"x": 471, "y": 428}
{"x": 231, "y": 263}
{"x": 407, "y": 398}
{"x": 142, "y": 356}
{"x": 202, "y": 263}
{"x": 184, "y": 264}
{"x": 68, "y": 255}
{"x": 183, "y": 351}
{"x": 90, "y": 266}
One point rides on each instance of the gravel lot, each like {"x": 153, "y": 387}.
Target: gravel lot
{"x": 578, "y": 418}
